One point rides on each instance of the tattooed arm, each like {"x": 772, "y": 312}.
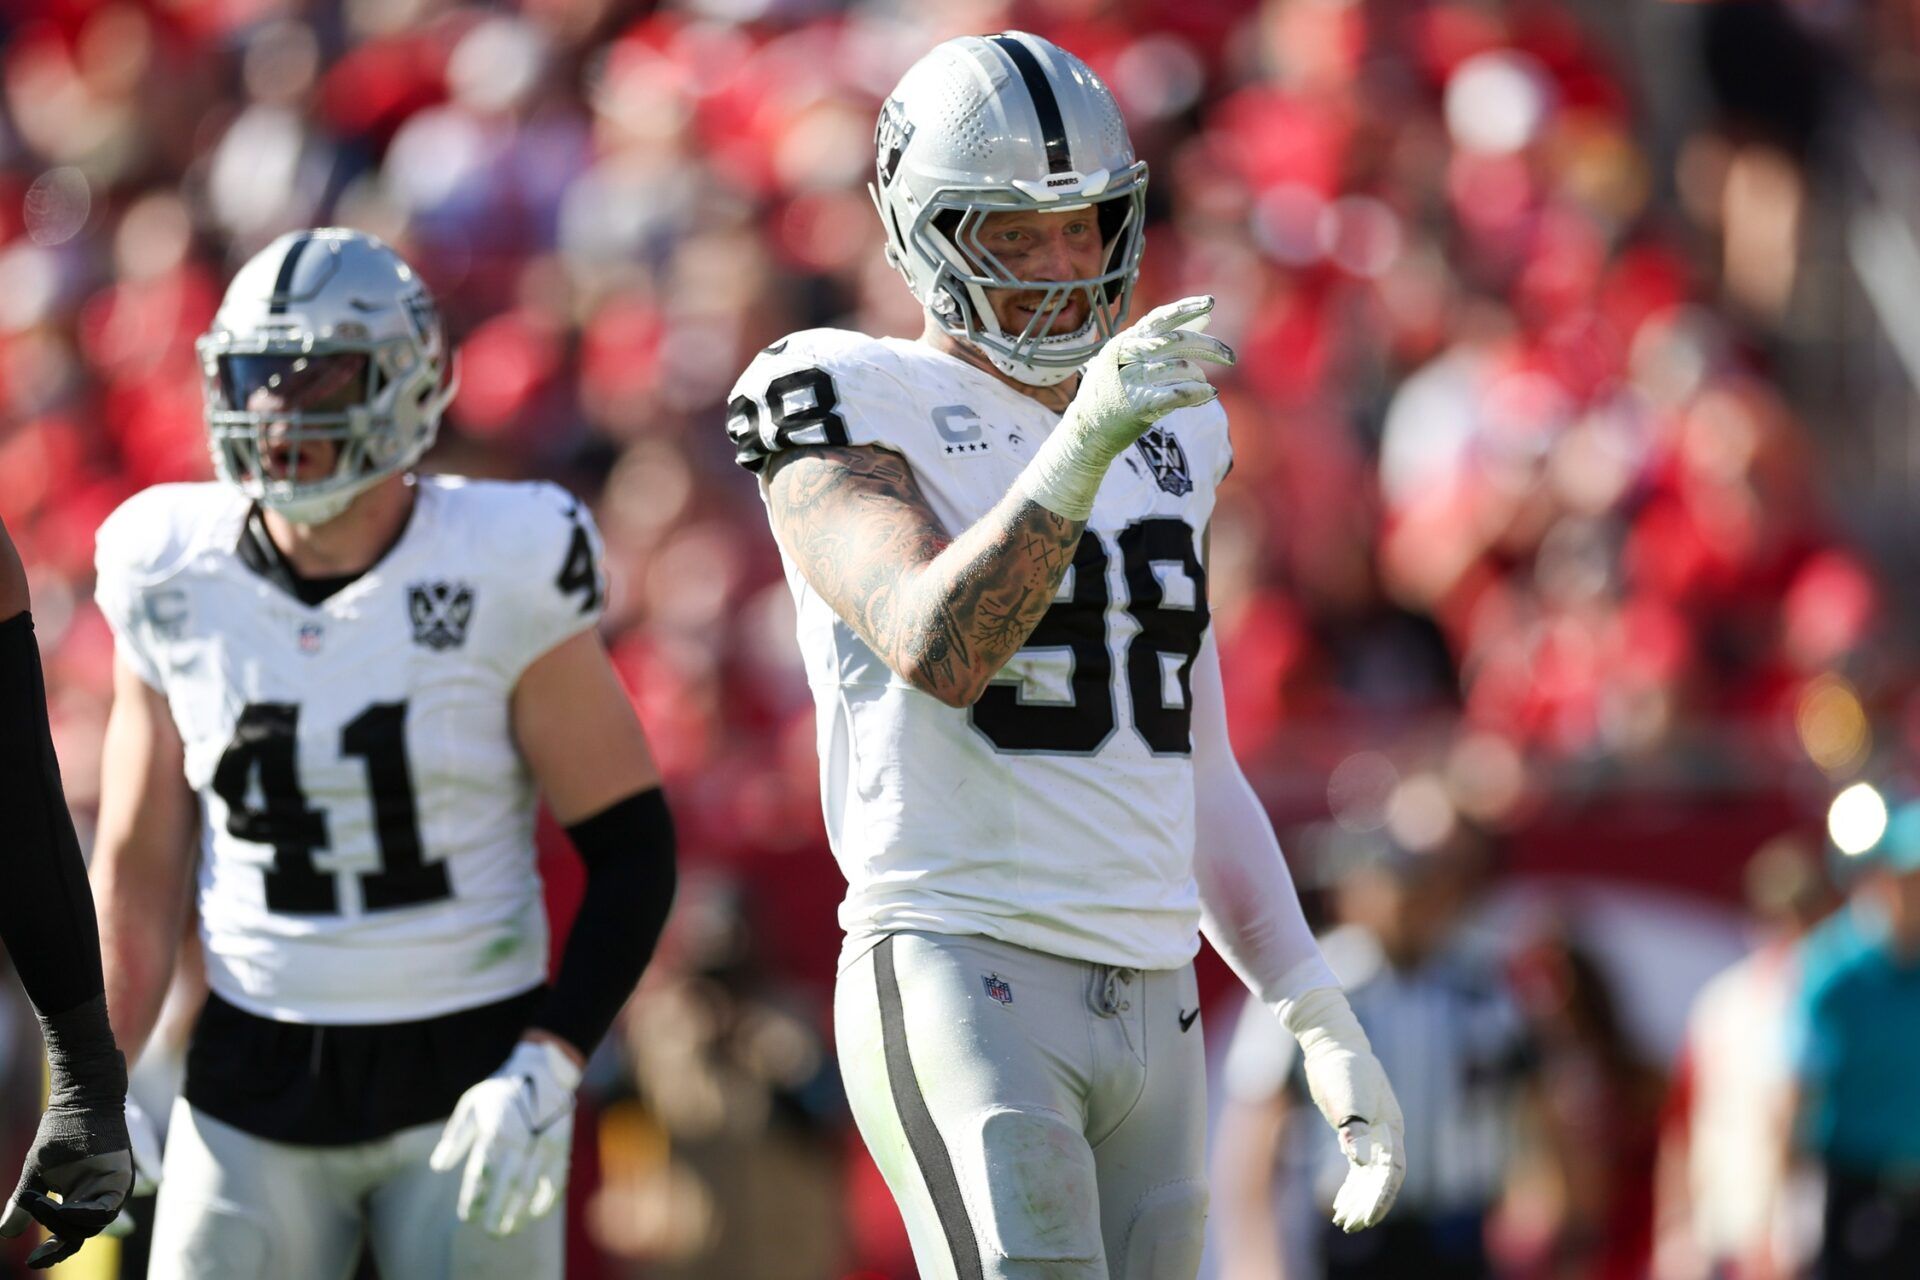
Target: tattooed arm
{"x": 944, "y": 612}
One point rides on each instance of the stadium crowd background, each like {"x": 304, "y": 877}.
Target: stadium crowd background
{"x": 1560, "y": 512}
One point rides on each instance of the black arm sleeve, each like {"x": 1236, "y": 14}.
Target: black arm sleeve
{"x": 628, "y": 849}
{"x": 46, "y": 907}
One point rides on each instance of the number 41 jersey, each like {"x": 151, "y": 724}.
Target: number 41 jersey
{"x": 1057, "y": 812}
{"x": 367, "y": 850}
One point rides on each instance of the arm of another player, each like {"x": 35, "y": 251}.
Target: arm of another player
{"x": 81, "y": 1151}
{"x": 1251, "y": 914}
{"x": 143, "y": 854}
{"x": 578, "y": 732}
{"x": 946, "y": 612}
{"x": 1246, "y": 1162}
{"x": 576, "y": 729}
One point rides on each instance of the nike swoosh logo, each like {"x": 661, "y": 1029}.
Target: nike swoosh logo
{"x": 775, "y": 348}
{"x": 1186, "y": 1020}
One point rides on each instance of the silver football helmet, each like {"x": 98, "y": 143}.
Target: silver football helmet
{"x": 989, "y": 123}
{"x": 323, "y": 336}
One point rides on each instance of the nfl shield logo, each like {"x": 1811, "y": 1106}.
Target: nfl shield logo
{"x": 311, "y": 636}
{"x": 998, "y": 988}
{"x": 440, "y": 612}
{"x": 1168, "y": 460}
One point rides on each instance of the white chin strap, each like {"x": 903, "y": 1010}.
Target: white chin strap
{"x": 1019, "y": 370}
{"x": 317, "y": 509}
{"x": 1042, "y": 376}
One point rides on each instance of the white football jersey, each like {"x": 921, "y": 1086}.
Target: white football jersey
{"x": 367, "y": 848}
{"x": 1057, "y": 812}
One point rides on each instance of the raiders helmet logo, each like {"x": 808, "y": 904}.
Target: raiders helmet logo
{"x": 440, "y": 613}
{"x": 890, "y": 138}
{"x": 1168, "y": 461}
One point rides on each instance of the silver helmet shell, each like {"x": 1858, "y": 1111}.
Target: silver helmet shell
{"x": 985, "y": 124}
{"x": 327, "y": 306}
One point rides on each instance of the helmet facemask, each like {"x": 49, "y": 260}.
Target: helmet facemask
{"x": 271, "y": 400}
{"x": 947, "y": 236}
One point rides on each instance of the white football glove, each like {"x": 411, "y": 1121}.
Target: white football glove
{"x": 1350, "y": 1088}
{"x": 1139, "y": 377}
{"x": 515, "y": 1131}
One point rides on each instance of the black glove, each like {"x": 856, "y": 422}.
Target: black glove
{"x": 82, "y": 1150}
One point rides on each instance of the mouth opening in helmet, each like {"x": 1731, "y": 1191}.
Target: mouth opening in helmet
{"x": 286, "y": 421}
{"x": 1051, "y": 324}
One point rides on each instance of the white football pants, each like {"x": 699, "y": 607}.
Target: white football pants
{"x": 236, "y": 1207}
{"x": 1036, "y": 1118}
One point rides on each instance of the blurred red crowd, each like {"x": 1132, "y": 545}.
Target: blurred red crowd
{"x": 1513, "y": 493}
{"x": 1499, "y": 453}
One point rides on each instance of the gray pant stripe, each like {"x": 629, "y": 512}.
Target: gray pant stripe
{"x": 923, "y": 1138}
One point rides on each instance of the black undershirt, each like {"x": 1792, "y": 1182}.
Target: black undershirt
{"x": 259, "y": 552}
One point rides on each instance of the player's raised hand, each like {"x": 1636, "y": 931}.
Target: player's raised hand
{"x": 1350, "y": 1088}
{"x": 514, "y": 1131}
{"x": 81, "y": 1153}
{"x": 1145, "y": 373}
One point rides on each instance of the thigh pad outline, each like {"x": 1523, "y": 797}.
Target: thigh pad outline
{"x": 1167, "y": 1233}
{"x": 1033, "y": 1174}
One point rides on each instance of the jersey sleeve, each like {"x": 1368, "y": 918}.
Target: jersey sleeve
{"x": 813, "y": 388}
{"x": 553, "y": 574}
{"x": 130, "y": 552}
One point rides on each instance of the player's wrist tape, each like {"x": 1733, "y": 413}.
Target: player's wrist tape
{"x": 628, "y": 849}
{"x": 84, "y": 1066}
{"x": 1065, "y": 473}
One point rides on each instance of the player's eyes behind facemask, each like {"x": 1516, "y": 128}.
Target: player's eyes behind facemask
{"x": 310, "y": 383}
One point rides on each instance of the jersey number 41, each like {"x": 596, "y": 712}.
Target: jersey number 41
{"x": 263, "y": 748}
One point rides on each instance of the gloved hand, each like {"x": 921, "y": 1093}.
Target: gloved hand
{"x": 1350, "y": 1088}
{"x": 82, "y": 1151}
{"x": 1139, "y": 377}
{"x": 146, "y": 1166}
{"x": 515, "y": 1131}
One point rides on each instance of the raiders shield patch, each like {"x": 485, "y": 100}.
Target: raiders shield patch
{"x": 1168, "y": 461}
{"x": 890, "y": 138}
{"x": 440, "y": 613}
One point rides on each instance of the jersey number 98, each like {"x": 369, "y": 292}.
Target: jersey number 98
{"x": 1078, "y": 624}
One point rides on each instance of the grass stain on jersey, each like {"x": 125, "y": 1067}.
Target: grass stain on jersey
{"x": 502, "y": 948}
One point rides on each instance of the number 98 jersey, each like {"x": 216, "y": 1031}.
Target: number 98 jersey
{"x": 1055, "y": 813}
{"x": 367, "y": 844}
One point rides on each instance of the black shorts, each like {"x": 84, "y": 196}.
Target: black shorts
{"x": 323, "y": 1086}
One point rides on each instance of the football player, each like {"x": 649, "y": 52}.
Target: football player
{"x": 46, "y": 921}
{"x": 995, "y": 536}
{"x": 366, "y": 675}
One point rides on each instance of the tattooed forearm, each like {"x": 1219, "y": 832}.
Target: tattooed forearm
{"x": 945, "y": 612}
